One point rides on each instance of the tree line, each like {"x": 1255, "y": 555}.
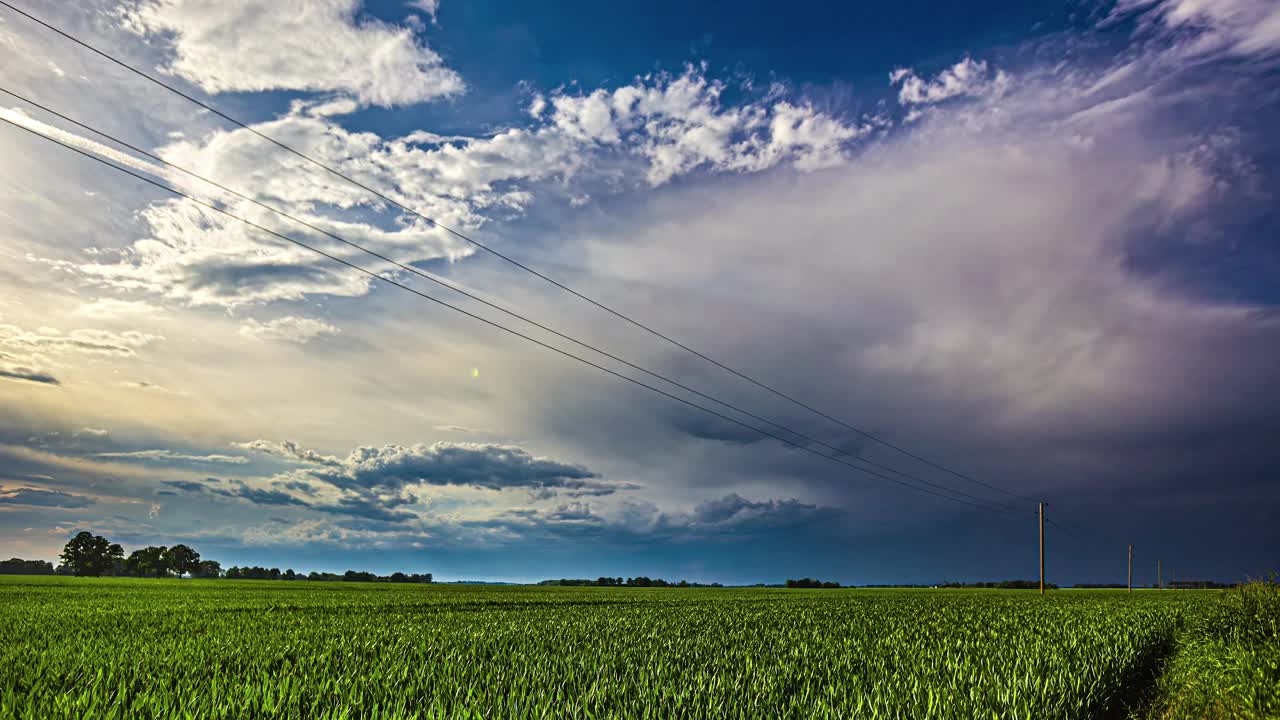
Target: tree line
{"x": 641, "y": 581}
{"x": 812, "y": 584}
{"x": 261, "y": 573}
{"x": 18, "y": 566}
{"x": 1001, "y": 585}
{"x": 89, "y": 555}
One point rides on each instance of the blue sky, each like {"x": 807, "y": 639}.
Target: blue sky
{"x": 1035, "y": 243}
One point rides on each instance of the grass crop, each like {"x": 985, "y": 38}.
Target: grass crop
{"x": 124, "y": 648}
{"x": 1227, "y": 665}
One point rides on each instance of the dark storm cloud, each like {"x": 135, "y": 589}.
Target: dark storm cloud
{"x": 229, "y": 279}
{"x": 708, "y": 427}
{"x": 187, "y": 485}
{"x": 392, "y": 467}
{"x": 728, "y": 519}
{"x": 358, "y": 504}
{"x": 238, "y": 489}
{"x": 42, "y": 498}
{"x": 733, "y": 509}
{"x": 258, "y": 496}
{"x": 488, "y": 466}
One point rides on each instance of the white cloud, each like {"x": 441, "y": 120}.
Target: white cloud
{"x": 288, "y": 329}
{"x": 678, "y": 124}
{"x": 429, "y": 7}
{"x": 672, "y": 125}
{"x": 967, "y": 78}
{"x": 289, "y": 450}
{"x": 315, "y": 45}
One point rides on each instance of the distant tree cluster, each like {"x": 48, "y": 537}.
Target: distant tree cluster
{"x": 261, "y": 573}
{"x": 628, "y": 582}
{"x": 1199, "y": 585}
{"x": 812, "y": 584}
{"x": 89, "y": 555}
{"x": 18, "y": 566}
{"x": 1002, "y": 585}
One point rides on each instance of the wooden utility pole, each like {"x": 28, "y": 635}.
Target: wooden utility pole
{"x": 1130, "y": 568}
{"x": 1041, "y": 548}
{"x": 1159, "y": 576}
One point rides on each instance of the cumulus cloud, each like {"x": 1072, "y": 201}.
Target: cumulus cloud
{"x": 292, "y": 329}
{"x": 967, "y": 78}
{"x": 312, "y": 45}
{"x": 42, "y": 498}
{"x": 679, "y": 123}
{"x": 648, "y": 132}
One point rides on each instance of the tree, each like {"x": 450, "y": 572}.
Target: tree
{"x": 811, "y": 583}
{"x": 88, "y": 555}
{"x": 181, "y": 559}
{"x": 18, "y": 566}
{"x": 116, "y": 554}
{"x": 148, "y": 562}
{"x": 208, "y": 569}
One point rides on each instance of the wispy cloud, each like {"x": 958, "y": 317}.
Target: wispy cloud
{"x": 170, "y": 455}
{"x": 42, "y": 498}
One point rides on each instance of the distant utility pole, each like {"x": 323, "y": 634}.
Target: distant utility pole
{"x": 1041, "y": 548}
{"x": 1159, "y": 577}
{"x": 1131, "y": 568}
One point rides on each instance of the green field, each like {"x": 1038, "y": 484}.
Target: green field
{"x": 129, "y": 648}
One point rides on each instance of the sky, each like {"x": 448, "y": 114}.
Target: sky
{"x": 1033, "y": 243}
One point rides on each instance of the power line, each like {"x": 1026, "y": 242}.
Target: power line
{"x": 1070, "y": 533}
{"x": 511, "y": 260}
{"x": 489, "y": 322}
{"x": 511, "y": 313}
